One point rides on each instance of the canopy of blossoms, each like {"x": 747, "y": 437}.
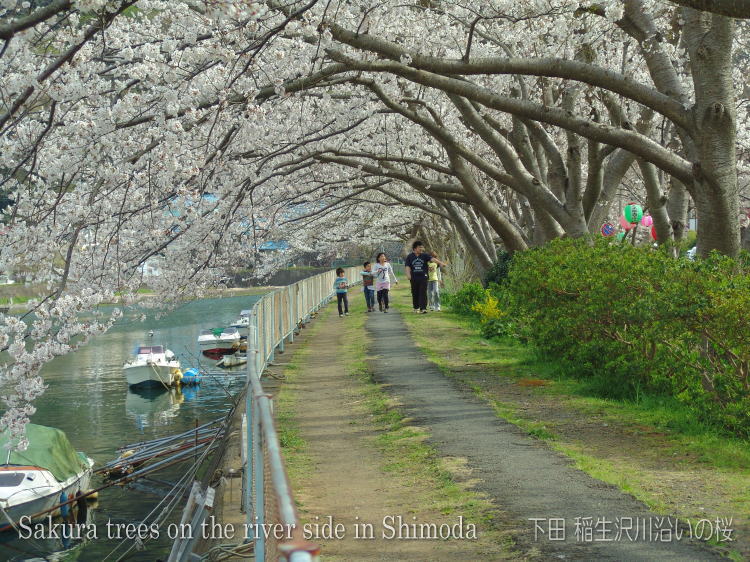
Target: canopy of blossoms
{"x": 188, "y": 132}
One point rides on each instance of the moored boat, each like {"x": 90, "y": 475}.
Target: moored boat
{"x": 35, "y": 481}
{"x": 232, "y": 360}
{"x": 218, "y": 342}
{"x": 153, "y": 365}
{"x": 243, "y": 322}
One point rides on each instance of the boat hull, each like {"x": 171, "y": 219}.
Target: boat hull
{"x": 232, "y": 361}
{"x": 46, "y": 496}
{"x": 149, "y": 375}
{"x": 216, "y": 350}
{"x": 215, "y": 343}
{"x": 227, "y": 345}
{"x": 243, "y": 329}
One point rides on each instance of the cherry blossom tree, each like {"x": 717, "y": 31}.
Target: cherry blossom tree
{"x": 188, "y": 132}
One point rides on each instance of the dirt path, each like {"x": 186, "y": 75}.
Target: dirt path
{"x": 348, "y": 481}
{"x": 523, "y": 476}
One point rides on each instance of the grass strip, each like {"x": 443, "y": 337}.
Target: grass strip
{"x": 714, "y": 468}
{"x": 408, "y": 455}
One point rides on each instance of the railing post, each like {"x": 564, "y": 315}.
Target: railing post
{"x": 305, "y": 299}
{"x": 272, "y": 328}
{"x": 290, "y": 312}
{"x": 260, "y": 513}
{"x": 280, "y": 316}
{"x": 252, "y": 352}
{"x": 259, "y": 352}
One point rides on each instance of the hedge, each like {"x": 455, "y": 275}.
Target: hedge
{"x": 634, "y": 319}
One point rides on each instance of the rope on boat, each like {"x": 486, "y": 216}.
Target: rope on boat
{"x": 158, "y": 374}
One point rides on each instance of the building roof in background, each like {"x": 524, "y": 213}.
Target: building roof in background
{"x": 274, "y": 245}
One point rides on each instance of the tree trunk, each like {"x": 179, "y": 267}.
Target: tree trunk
{"x": 617, "y": 165}
{"x": 500, "y": 223}
{"x": 482, "y": 259}
{"x": 677, "y": 207}
{"x": 715, "y": 190}
{"x": 657, "y": 201}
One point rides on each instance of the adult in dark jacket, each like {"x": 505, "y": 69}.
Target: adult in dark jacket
{"x": 416, "y": 273}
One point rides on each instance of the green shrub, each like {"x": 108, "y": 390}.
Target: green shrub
{"x": 631, "y": 318}
{"x": 498, "y": 273}
{"x": 493, "y": 311}
{"x": 464, "y": 299}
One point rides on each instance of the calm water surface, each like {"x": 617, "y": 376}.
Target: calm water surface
{"x": 89, "y": 399}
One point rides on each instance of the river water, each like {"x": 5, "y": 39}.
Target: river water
{"x": 88, "y": 398}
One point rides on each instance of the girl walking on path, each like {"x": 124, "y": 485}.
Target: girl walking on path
{"x": 383, "y": 273}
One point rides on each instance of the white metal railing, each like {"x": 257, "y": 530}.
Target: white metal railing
{"x": 268, "y": 498}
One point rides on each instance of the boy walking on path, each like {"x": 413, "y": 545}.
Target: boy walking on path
{"x": 416, "y": 272}
{"x": 368, "y": 286}
{"x": 383, "y": 274}
{"x": 341, "y": 285}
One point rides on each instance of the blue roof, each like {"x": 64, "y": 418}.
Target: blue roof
{"x": 275, "y": 245}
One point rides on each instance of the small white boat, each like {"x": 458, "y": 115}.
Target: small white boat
{"x": 215, "y": 343}
{"x": 232, "y": 360}
{"x": 153, "y": 365}
{"x": 243, "y": 322}
{"x": 49, "y": 472}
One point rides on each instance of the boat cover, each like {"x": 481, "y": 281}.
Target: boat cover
{"x": 49, "y": 448}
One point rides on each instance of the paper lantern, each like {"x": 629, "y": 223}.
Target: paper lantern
{"x": 625, "y": 223}
{"x": 620, "y": 237}
{"x": 647, "y": 220}
{"x": 608, "y": 229}
{"x": 633, "y": 213}
{"x": 653, "y": 232}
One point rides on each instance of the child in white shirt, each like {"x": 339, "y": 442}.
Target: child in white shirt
{"x": 383, "y": 273}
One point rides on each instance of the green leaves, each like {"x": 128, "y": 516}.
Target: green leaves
{"x": 630, "y": 319}
{"x": 464, "y": 299}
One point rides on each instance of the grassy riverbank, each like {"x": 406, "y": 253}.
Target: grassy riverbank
{"x": 652, "y": 448}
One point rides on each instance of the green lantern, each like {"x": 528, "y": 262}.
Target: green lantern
{"x": 633, "y": 213}
{"x": 620, "y": 237}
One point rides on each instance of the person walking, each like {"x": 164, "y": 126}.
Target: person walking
{"x": 434, "y": 279}
{"x": 368, "y": 286}
{"x": 383, "y": 274}
{"x": 416, "y": 273}
{"x": 341, "y": 285}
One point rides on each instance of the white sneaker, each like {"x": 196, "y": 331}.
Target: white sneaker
{"x": 341, "y": 315}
